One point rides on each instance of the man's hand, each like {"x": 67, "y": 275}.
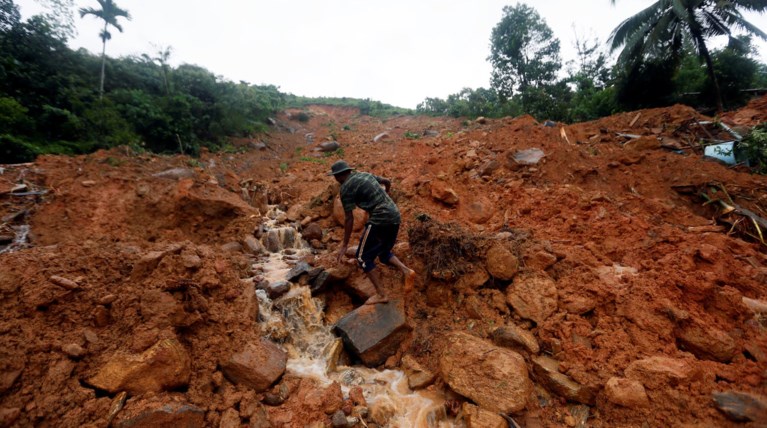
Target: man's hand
{"x": 341, "y": 253}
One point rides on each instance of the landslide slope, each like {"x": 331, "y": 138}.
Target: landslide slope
{"x": 643, "y": 269}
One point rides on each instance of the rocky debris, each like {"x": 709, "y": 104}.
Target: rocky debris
{"x": 742, "y": 406}
{"x": 253, "y": 245}
{"x": 706, "y": 342}
{"x": 163, "y": 310}
{"x": 65, "y": 283}
{"x": 160, "y": 411}
{"x": 374, "y": 332}
{"x": 274, "y": 289}
{"x": 546, "y": 371}
{"x": 381, "y": 136}
{"x": 626, "y": 392}
{"x": 658, "y": 371}
{"x": 149, "y": 261}
{"x": 525, "y": 157}
{"x": 479, "y": 211}
{"x": 175, "y": 174}
{"x": 648, "y": 142}
{"x": 9, "y": 415}
{"x": 441, "y": 192}
{"x": 477, "y": 417}
{"x": 230, "y": 419}
{"x": 301, "y": 268}
{"x": 540, "y": 260}
{"x": 501, "y": 263}
{"x": 513, "y": 336}
{"x": 533, "y": 296}
{"x": 417, "y": 376}
{"x": 758, "y": 307}
{"x": 430, "y": 133}
{"x": 312, "y": 231}
{"x": 231, "y": 247}
{"x": 164, "y": 366}
{"x": 328, "y": 146}
{"x": 73, "y": 350}
{"x": 360, "y": 216}
{"x": 495, "y": 378}
{"x": 481, "y": 120}
{"x": 8, "y": 378}
{"x": 473, "y": 280}
{"x": 257, "y": 366}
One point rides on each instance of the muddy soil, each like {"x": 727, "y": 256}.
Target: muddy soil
{"x": 154, "y": 248}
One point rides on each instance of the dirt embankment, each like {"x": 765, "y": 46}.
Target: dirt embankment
{"x": 647, "y": 284}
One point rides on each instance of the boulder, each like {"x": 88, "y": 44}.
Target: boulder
{"x": 706, "y": 342}
{"x": 533, "y": 296}
{"x": 473, "y": 280}
{"x": 479, "y": 211}
{"x": 547, "y": 373}
{"x": 441, "y": 192}
{"x": 374, "y": 332}
{"x": 360, "y": 216}
{"x": 501, "y": 263}
{"x": 513, "y": 336}
{"x": 742, "y": 406}
{"x": 417, "y": 376}
{"x": 495, "y": 378}
{"x": 296, "y": 271}
{"x": 312, "y": 231}
{"x": 164, "y": 366}
{"x": 257, "y": 366}
{"x": 253, "y": 245}
{"x": 659, "y": 371}
{"x": 626, "y": 392}
{"x": 160, "y": 412}
{"x": 524, "y": 157}
{"x": 329, "y": 146}
{"x": 477, "y": 417}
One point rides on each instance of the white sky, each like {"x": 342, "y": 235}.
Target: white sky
{"x": 395, "y": 51}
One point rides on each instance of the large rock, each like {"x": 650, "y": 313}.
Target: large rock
{"x": 512, "y": 336}
{"x": 160, "y": 412}
{"x": 477, "y": 417}
{"x": 479, "y": 211}
{"x": 374, "y": 332}
{"x": 360, "y": 216}
{"x": 257, "y": 366}
{"x": 707, "y": 342}
{"x": 659, "y": 371}
{"x": 329, "y": 146}
{"x": 495, "y": 378}
{"x": 164, "y": 366}
{"x": 741, "y": 406}
{"x": 501, "y": 263}
{"x": 311, "y": 231}
{"x": 473, "y": 280}
{"x": 533, "y": 296}
{"x": 441, "y": 192}
{"x": 626, "y": 392}
{"x": 546, "y": 371}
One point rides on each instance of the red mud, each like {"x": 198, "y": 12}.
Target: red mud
{"x": 635, "y": 262}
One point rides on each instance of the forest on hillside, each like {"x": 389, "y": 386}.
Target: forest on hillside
{"x": 57, "y": 100}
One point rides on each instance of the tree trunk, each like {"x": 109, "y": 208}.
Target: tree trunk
{"x": 710, "y": 70}
{"x": 103, "y": 60}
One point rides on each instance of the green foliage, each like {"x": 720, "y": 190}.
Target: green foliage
{"x": 283, "y": 167}
{"x": 366, "y": 106}
{"x": 754, "y": 147}
{"x": 15, "y": 150}
{"x": 523, "y": 51}
{"x": 412, "y": 135}
{"x": 13, "y": 115}
{"x": 313, "y": 160}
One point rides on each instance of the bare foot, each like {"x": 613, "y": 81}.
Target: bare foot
{"x": 409, "y": 282}
{"x": 375, "y": 299}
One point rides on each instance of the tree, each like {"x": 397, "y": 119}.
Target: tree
{"x": 523, "y": 51}
{"x": 9, "y": 15}
{"x": 661, "y": 29}
{"x": 109, "y": 12}
{"x": 58, "y": 14}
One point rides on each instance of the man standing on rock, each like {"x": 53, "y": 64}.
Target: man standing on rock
{"x": 364, "y": 190}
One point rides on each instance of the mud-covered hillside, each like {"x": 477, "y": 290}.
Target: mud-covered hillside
{"x": 599, "y": 274}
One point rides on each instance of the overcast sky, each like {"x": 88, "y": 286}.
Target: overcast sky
{"x": 395, "y": 51}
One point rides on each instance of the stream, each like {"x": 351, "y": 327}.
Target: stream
{"x": 296, "y": 320}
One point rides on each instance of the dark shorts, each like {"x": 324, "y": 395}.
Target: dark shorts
{"x": 377, "y": 240}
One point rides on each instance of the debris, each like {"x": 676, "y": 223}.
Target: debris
{"x": 381, "y": 136}
{"x": 117, "y": 404}
{"x": 742, "y": 406}
{"x": 546, "y": 371}
{"x": 374, "y": 332}
{"x": 64, "y": 283}
{"x": 257, "y": 366}
{"x": 563, "y": 134}
{"x": 634, "y": 120}
{"x": 528, "y": 157}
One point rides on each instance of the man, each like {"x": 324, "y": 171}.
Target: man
{"x": 364, "y": 190}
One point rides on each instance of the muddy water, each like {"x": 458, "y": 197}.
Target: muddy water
{"x": 20, "y": 240}
{"x": 296, "y": 318}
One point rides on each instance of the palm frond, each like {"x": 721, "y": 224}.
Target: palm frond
{"x": 625, "y": 29}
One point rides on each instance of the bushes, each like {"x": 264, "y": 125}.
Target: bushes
{"x": 754, "y": 147}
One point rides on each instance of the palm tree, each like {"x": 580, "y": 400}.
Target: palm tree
{"x": 109, "y": 12}
{"x": 663, "y": 26}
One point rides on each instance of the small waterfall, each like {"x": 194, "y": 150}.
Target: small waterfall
{"x": 296, "y": 320}
{"x": 20, "y": 240}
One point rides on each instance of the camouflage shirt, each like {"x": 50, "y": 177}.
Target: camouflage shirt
{"x": 363, "y": 190}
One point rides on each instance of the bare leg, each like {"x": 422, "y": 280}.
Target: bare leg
{"x": 375, "y": 277}
{"x": 407, "y": 272}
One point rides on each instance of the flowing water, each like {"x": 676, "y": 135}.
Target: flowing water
{"x": 297, "y": 320}
{"x": 21, "y": 239}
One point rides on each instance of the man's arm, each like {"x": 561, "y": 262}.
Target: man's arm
{"x": 348, "y": 226}
{"x": 385, "y": 182}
